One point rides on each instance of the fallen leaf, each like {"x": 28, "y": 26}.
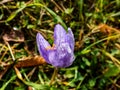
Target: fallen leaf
{"x": 107, "y": 29}
{"x": 33, "y": 61}
{"x": 13, "y": 35}
{"x": 28, "y": 62}
{"x": 30, "y": 88}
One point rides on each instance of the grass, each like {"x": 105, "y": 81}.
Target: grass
{"x": 95, "y": 25}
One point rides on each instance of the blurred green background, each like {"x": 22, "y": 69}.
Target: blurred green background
{"x": 95, "y": 24}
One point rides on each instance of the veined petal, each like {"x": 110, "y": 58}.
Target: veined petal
{"x": 42, "y": 44}
{"x": 59, "y": 34}
{"x": 62, "y": 56}
{"x": 52, "y": 56}
{"x": 66, "y": 55}
{"x": 70, "y": 38}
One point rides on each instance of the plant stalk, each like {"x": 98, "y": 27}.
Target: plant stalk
{"x": 54, "y": 75}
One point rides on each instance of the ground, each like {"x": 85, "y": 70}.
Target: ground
{"x": 96, "y": 28}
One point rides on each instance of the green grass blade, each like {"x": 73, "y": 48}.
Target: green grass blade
{"x": 59, "y": 20}
{"x": 84, "y": 51}
{"x": 37, "y": 86}
{"x": 6, "y": 83}
{"x": 55, "y": 16}
{"x": 15, "y": 13}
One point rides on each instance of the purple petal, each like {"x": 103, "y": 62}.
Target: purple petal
{"x": 70, "y": 38}
{"x": 42, "y": 44}
{"x": 62, "y": 56}
{"x": 66, "y": 55}
{"x": 59, "y": 34}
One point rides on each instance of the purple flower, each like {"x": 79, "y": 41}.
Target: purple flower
{"x": 61, "y": 54}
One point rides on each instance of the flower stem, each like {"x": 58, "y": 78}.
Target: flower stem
{"x": 53, "y": 76}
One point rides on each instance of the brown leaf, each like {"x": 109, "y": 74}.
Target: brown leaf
{"x": 107, "y": 29}
{"x": 29, "y": 88}
{"x": 28, "y": 62}
{"x": 33, "y": 61}
{"x": 13, "y": 35}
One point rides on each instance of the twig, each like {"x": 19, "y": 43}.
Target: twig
{"x": 53, "y": 76}
{"x": 10, "y": 51}
{"x": 5, "y": 1}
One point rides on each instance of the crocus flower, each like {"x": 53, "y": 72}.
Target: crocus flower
{"x": 61, "y": 54}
